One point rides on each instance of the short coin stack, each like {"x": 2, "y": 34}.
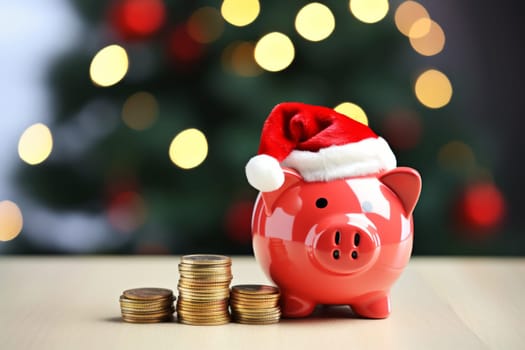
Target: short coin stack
{"x": 204, "y": 289}
{"x": 255, "y": 304}
{"x": 147, "y": 305}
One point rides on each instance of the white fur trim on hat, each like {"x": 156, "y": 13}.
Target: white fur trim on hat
{"x": 367, "y": 156}
{"x": 264, "y": 173}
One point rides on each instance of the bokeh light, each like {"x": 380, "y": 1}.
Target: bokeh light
{"x": 11, "y": 220}
{"x": 407, "y": 14}
{"x": 433, "y": 89}
{"x": 188, "y": 149}
{"x": 315, "y": 22}
{"x": 240, "y": 12}
{"x": 35, "y": 144}
{"x": 140, "y": 110}
{"x": 402, "y": 129}
{"x": 369, "y": 11}
{"x": 183, "y": 47}
{"x": 239, "y": 58}
{"x": 138, "y": 18}
{"x": 205, "y": 25}
{"x": 353, "y": 111}
{"x": 109, "y": 66}
{"x": 483, "y": 206}
{"x": 456, "y": 155}
{"x": 127, "y": 211}
{"x": 429, "y": 44}
{"x": 237, "y": 221}
{"x": 274, "y": 52}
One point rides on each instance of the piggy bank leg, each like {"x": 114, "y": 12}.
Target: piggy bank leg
{"x": 375, "y": 306}
{"x": 294, "y": 306}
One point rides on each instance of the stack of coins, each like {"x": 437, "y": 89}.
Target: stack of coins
{"x": 147, "y": 305}
{"x": 204, "y": 289}
{"x": 255, "y": 304}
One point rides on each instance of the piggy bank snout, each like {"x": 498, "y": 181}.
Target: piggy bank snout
{"x": 345, "y": 248}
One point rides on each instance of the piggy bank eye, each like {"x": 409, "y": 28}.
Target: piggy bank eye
{"x": 321, "y": 202}
{"x": 367, "y": 206}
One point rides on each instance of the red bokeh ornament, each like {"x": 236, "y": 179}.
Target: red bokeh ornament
{"x": 126, "y": 211}
{"x": 238, "y": 222}
{"x": 481, "y": 208}
{"x": 402, "y": 129}
{"x": 183, "y": 49}
{"x": 137, "y": 19}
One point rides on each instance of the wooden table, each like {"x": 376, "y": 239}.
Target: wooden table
{"x": 439, "y": 303}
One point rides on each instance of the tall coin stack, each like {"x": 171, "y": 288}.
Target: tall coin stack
{"x": 255, "y": 304}
{"x": 147, "y": 305}
{"x": 204, "y": 289}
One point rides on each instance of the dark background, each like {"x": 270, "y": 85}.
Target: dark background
{"x": 66, "y": 200}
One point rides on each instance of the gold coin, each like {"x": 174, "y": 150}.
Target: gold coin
{"x": 203, "y": 317}
{"x": 134, "y": 320}
{"x": 253, "y": 303}
{"x": 255, "y": 310}
{"x": 190, "y": 311}
{"x": 147, "y": 311}
{"x": 254, "y": 297}
{"x": 148, "y": 315}
{"x": 204, "y": 273}
{"x": 255, "y": 289}
{"x": 207, "y": 286}
{"x": 183, "y": 301}
{"x": 204, "y": 268}
{"x": 145, "y": 305}
{"x": 210, "y": 288}
{"x": 199, "y": 298}
{"x": 204, "y": 321}
{"x": 259, "y": 318}
{"x": 148, "y": 293}
{"x": 192, "y": 315}
{"x": 206, "y": 259}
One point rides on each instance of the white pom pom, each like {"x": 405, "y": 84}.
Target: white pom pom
{"x": 264, "y": 173}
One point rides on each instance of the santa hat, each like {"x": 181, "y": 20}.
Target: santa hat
{"x": 319, "y": 143}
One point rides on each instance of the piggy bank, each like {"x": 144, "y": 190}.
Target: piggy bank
{"x": 333, "y": 220}
{"x": 344, "y": 241}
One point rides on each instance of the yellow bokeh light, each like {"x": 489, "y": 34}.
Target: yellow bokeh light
{"x": 433, "y": 89}
{"x": 315, "y": 22}
{"x": 35, "y": 144}
{"x": 140, "y": 110}
{"x": 11, "y": 220}
{"x": 274, "y": 52}
{"x": 369, "y": 11}
{"x": 240, "y": 12}
{"x": 109, "y": 66}
{"x": 353, "y": 111}
{"x": 432, "y": 42}
{"x": 407, "y": 14}
{"x": 188, "y": 149}
{"x": 420, "y": 28}
{"x": 205, "y": 25}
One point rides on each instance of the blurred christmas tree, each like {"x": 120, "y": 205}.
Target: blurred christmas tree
{"x": 156, "y": 150}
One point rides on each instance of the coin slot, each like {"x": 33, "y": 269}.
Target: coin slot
{"x": 354, "y": 255}
{"x": 357, "y": 239}
{"x": 336, "y": 254}
{"x": 337, "y": 237}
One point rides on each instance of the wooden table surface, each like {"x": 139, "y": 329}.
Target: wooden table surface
{"x": 439, "y": 303}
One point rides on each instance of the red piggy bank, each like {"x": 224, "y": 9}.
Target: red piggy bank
{"x": 344, "y": 241}
{"x": 333, "y": 220}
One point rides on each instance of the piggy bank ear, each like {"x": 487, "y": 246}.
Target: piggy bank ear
{"x": 406, "y": 184}
{"x": 291, "y": 177}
